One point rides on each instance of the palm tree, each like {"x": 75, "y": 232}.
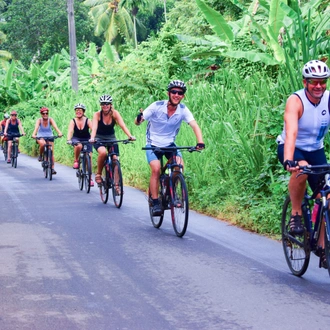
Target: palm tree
{"x": 110, "y": 19}
{"x": 134, "y": 6}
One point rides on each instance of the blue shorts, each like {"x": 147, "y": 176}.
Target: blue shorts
{"x": 151, "y": 155}
{"x": 316, "y": 157}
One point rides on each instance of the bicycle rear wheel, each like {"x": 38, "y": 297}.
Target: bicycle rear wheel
{"x": 296, "y": 248}
{"x": 87, "y": 170}
{"x": 327, "y": 239}
{"x": 15, "y": 154}
{"x": 45, "y": 164}
{"x": 179, "y": 205}
{"x": 117, "y": 184}
{"x": 5, "y": 150}
{"x": 155, "y": 220}
{"x": 80, "y": 174}
{"x": 104, "y": 186}
{"x": 50, "y": 164}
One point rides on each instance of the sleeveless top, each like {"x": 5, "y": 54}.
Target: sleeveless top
{"x": 81, "y": 133}
{"x": 105, "y": 132}
{"x": 313, "y": 124}
{"x": 13, "y": 128}
{"x": 44, "y": 131}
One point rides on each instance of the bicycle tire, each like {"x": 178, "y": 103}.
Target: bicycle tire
{"x": 179, "y": 205}
{"x": 104, "y": 186}
{"x": 50, "y": 164}
{"x": 44, "y": 163}
{"x": 5, "y": 150}
{"x": 155, "y": 220}
{"x": 327, "y": 239}
{"x": 15, "y": 155}
{"x": 117, "y": 184}
{"x": 296, "y": 248}
{"x": 81, "y": 173}
{"x": 12, "y": 156}
{"x": 87, "y": 173}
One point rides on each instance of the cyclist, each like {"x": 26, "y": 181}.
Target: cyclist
{"x": 3, "y": 125}
{"x": 43, "y": 128}
{"x": 13, "y": 127}
{"x": 79, "y": 131}
{"x": 306, "y": 121}
{"x": 104, "y": 122}
{"x": 164, "y": 121}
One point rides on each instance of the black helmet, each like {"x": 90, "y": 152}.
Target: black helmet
{"x": 178, "y": 84}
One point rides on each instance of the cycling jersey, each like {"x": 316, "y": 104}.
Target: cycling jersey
{"x": 313, "y": 124}
{"x": 162, "y": 129}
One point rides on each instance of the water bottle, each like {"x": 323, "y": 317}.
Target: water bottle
{"x": 315, "y": 210}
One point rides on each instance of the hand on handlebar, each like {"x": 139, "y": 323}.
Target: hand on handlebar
{"x": 132, "y": 138}
{"x": 291, "y": 165}
{"x": 200, "y": 146}
{"x": 69, "y": 142}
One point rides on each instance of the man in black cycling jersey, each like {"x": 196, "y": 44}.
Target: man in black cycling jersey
{"x": 306, "y": 121}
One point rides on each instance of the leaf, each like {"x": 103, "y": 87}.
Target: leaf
{"x": 276, "y": 16}
{"x": 217, "y": 22}
{"x": 252, "y": 56}
{"x": 9, "y": 75}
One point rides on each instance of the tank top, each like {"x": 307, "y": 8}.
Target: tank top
{"x": 105, "y": 131}
{"x": 13, "y": 128}
{"x": 44, "y": 131}
{"x": 81, "y": 133}
{"x": 314, "y": 123}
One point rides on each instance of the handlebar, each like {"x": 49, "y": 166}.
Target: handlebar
{"x": 47, "y": 138}
{"x": 314, "y": 169}
{"x": 113, "y": 142}
{"x": 15, "y": 135}
{"x": 166, "y": 149}
{"x": 75, "y": 143}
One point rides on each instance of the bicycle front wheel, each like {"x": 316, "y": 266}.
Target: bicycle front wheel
{"x": 155, "y": 220}
{"x": 5, "y": 150}
{"x": 179, "y": 205}
{"x": 327, "y": 239}
{"x": 117, "y": 184}
{"x": 104, "y": 186}
{"x": 45, "y": 164}
{"x": 87, "y": 170}
{"x": 80, "y": 174}
{"x": 296, "y": 248}
{"x": 50, "y": 164}
{"x": 15, "y": 154}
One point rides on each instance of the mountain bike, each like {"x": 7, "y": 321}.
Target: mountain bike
{"x": 111, "y": 174}
{"x": 5, "y": 146}
{"x": 298, "y": 248}
{"x": 47, "y": 156}
{"x": 14, "y": 149}
{"x": 84, "y": 171}
{"x": 173, "y": 192}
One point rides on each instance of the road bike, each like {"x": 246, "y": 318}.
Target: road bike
{"x": 111, "y": 174}
{"x": 14, "y": 149}
{"x": 298, "y": 248}
{"x": 84, "y": 171}
{"x": 173, "y": 192}
{"x": 47, "y": 156}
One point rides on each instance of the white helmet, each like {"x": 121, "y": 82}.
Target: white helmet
{"x": 177, "y": 83}
{"x": 105, "y": 99}
{"x": 315, "y": 69}
{"x": 6, "y": 115}
{"x": 80, "y": 106}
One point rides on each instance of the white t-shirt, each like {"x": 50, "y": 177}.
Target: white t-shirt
{"x": 161, "y": 129}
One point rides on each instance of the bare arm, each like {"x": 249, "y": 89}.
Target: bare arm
{"x": 21, "y": 127}
{"x": 70, "y": 130}
{"x": 6, "y": 127}
{"x": 120, "y": 122}
{"x": 95, "y": 124}
{"x": 52, "y": 122}
{"x": 197, "y": 131}
{"x": 36, "y": 126}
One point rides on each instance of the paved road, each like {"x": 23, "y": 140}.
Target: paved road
{"x": 69, "y": 262}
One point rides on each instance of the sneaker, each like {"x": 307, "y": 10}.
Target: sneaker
{"x": 40, "y": 158}
{"x": 296, "y": 227}
{"x": 157, "y": 210}
{"x": 53, "y": 171}
{"x": 92, "y": 183}
{"x": 75, "y": 164}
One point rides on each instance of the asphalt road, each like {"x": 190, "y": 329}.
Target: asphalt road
{"x": 69, "y": 262}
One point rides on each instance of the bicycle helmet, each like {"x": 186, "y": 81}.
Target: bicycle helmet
{"x": 80, "y": 106}
{"x": 43, "y": 109}
{"x": 105, "y": 99}
{"x": 315, "y": 69}
{"x": 178, "y": 84}
{"x": 6, "y": 115}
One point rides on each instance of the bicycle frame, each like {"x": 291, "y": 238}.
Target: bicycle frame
{"x": 14, "y": 149}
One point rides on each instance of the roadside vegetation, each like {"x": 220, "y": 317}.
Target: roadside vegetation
{"x": 240, "y": 60}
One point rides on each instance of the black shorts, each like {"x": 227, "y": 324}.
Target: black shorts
{"x": 102, "y": 144}
{"x": 316, "y": 157}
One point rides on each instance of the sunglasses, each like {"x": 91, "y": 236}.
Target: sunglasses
{"x": 14, "y": 115}
{"x": 105, "y": 103}
{"x": 177, "y": 92}
{"x": 315, "y": 82}
{"x": 44, "y": 113}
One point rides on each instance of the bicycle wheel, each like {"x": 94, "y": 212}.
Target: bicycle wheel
{"x": 117, "y": 184}
{"x": 80, "y": 173}
{"x": 155, "y": 220}
{"x": 45, "y": 164}
{"x": 5, "y": 150}
{"x": 15, "y": 155}
{"x": 327, "y": 239}
{"x": 296, "y": 248}
{"x": 50, "y": 163}
{"x": 179, "y": 205}
{"x": 104, "y": 186}
{"x": 87, "y": 170}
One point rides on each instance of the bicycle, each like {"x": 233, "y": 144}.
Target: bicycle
{"x": 14, "y": 149}
{"x": 112, "y": 175}
{"x": 5, "y": 146}
{"x": 298, "y": 248}
{"x": 47, "y": 156}
{"x": 84, "y": 171}
{"x": 173, "y": 192}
